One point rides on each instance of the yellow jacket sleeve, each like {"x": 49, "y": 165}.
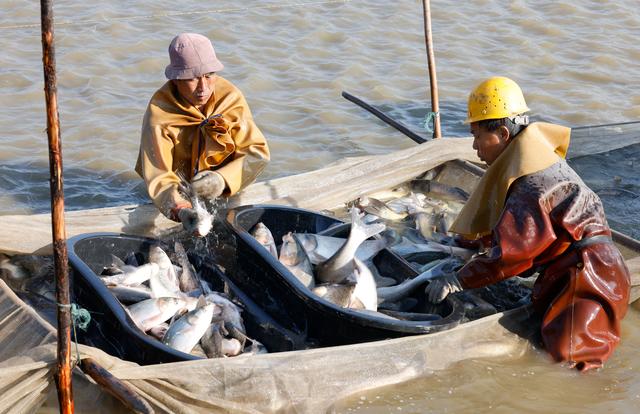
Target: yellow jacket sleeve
{"x": 156, "y": 166}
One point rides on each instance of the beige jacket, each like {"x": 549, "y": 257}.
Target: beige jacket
{"x": 178, "y": 140}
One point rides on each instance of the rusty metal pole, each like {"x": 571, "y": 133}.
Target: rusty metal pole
{"x": 435, "y": 107}
{"x": 63, "y": 372}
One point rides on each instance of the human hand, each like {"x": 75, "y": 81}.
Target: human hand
{"x": 208, "y": 184}
{"x": 440, "y": 287}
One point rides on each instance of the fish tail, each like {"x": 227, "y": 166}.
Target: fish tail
{"x": 360, "y": 231}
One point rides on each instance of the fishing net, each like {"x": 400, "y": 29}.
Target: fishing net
{"x": 302, "y": 381}
{"x": 597, "y": 139}
{"x": 607, "y": 157}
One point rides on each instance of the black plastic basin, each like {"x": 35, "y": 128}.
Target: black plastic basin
{"x": 114, "y": 332}
{"x": 272, "y": 286}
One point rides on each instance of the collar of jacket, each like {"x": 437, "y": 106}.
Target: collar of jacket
{"x": 538, "y": 147}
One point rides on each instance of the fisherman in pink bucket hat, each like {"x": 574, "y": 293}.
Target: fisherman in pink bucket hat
{"x": 197, "y": 128}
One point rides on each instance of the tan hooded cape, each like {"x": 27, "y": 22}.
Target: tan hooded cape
{"x": 179, "y": 139}
{"x": 539, "y": 146}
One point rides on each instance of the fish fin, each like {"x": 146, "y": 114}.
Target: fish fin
{"x": 364, "y": 231}
{"x": 350, "y": 280}
{"x": 116, "y": 261}
{"x": 355, "y": 303}
{"x": 204, "y": 285}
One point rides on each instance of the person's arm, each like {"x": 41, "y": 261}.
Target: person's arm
{"x": 155, "y": 162}
{"x": 524, "y": 231}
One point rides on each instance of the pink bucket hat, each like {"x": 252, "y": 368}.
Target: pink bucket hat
{"x": 191, "y": 56}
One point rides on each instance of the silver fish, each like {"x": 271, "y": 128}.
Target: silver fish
{"x": 230, "y": 314}
{"x": 188, "y": 279}
{"x": 115, "y": 267}
{"x": 320, "y": 248}
{"x": 365, "y": 291}
{"x": 403, "y": 289}
{"x": 215, "y": 345}
{"x": 152, "y": 312}
{"x": 165, "y": 283}
{"x": 132, "y": 276}
{"x": 130, "y": 294}
{"x": 341, "y": 265}
{"x": 263, "y": 235}
{"x": 440, "y": 191}
{"x": 406, "y": 204}
{"x": 211, "y": 340}
{"x": 159, "y": 257}
{"x": 378, "y": 208}
{"x": 428, "y": 223}
{"x": 204, "y": 223}
{"x": 186, "y": 332}
{"x": 336, "y": 293}
{"x": 407, "y": 247}
{"x": 294, "y": 257}
{"x": 459, "y": 252}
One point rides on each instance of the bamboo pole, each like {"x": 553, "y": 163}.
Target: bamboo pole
{"x": 433, "y": 81}
{"x": 63, "y": 372}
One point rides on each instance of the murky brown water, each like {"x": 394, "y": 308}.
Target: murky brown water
{"x": 530, "y": 384}
{"x": 576, "y": 61}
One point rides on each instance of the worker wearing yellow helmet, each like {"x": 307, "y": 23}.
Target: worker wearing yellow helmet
{"x": 532, "y": 214}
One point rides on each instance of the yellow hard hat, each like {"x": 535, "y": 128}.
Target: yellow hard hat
{"x": 495, "y": 98}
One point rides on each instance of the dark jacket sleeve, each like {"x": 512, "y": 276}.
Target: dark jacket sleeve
{"x": 524, "y": 231}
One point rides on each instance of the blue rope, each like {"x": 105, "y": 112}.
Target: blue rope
{"x": 80, "y": 317}
{"x": 429, "y": 119}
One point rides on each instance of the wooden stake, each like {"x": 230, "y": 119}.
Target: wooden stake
{"x": 435, "y": 107}
{"x": 63, "y": 372}
{"x": 115, "y": 387}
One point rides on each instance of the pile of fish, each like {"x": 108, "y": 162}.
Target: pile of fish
{"x": 174, "y": 305}
{"x": 418, "y": 215}
{"x": 413, "y": 221}
{"x": 342, "y": 270}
